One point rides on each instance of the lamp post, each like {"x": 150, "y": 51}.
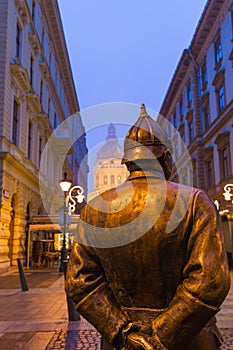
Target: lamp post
{"x": 79, "y": 198}
{"x": 65, "y": 185}
{"x": 228, "y": 197}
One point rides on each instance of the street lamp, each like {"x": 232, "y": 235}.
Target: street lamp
{"x": 227, "y": 194}
{"x": 79, "y": 198}
{"x": 65, "y": 185}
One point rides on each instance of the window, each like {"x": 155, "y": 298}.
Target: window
{"x": 221, "y": 98}
{"x": 181, "y": 109}
{"x": 112, "y": 179}
{"x": 174, "y": 120}
{"x": 33, "y": 12}
{"x": 225, "y": 163}
{"x": 105, "y": 180}
{"x": 209, "y": 173}
{"x": 218, "y": 50}
{"x": 43, "y": 39}
{"x": 41, "y": 91}
{"x": 50, "y": 61}
{"x": 18, "y": 41}
{"x": 189, "y": 94}
{"x": 15, "y": 123}
{"x": 191, "y": 131}
{"x": 224, "y": 151}
{"x": 29, "y": 140}
{"x": 119, "y": 179}
{"x": 194, "y": 166}
{"x": 55, "y": 120}
{"x": 208, "y": 155}
{"x": 49, "y": 103}
{"x": 204, "y": 77}
{"x": 31, "y": 71}
{"x": 40, "y": 149}
{"x": 206, "y": 117}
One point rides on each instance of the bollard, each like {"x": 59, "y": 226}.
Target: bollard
{"x": 72, "y": 312}
{"x": 22, "y": 277}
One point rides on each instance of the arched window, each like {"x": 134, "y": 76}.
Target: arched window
{"x": 112, "y": 179}
{"x": 105, "y": 180}
{"x": 119, "y": 179}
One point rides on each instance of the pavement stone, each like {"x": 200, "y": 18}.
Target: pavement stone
{"x": 38, "y": 319}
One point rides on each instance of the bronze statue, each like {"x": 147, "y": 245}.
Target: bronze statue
{"x": 152, "y": 288}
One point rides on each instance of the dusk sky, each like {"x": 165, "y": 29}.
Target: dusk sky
{"x": 127, "y": 50}
{"x": 124, "y": 51}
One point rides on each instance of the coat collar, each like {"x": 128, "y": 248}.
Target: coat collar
{"x": 146, "y": 173}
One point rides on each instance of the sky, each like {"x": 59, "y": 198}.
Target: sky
{"x": 126, "y": 50}
{"x": 124, "y": 53}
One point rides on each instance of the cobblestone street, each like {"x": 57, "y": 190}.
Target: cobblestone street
{"x": 38, "y": 319}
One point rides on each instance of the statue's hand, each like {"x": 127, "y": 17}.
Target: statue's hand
{"x": 140, "y": 341}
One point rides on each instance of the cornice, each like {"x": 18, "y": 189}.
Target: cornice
{"x": 52, "y": 14}
{"x": 23, "y": 11}
{"x": 34, "y": 101}
{"x": 212, "y": 10}
{"x": 35, "y": 43}
{"x": 21, "y": 167}
{"x": 21, "y": 76}
{"x": 176, "y": 82}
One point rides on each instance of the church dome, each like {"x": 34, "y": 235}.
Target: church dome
{"x": 111, "y": 148}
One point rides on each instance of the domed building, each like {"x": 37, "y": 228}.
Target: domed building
{"x": 108, "y": 170}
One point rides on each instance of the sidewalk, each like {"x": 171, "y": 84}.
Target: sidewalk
{"x": 38, "y": 319}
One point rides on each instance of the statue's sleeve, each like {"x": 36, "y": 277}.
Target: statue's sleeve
{"x": 86, "y": 284}
{"x": 205, "y": 281}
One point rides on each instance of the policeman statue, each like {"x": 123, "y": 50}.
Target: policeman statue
{"x": 148, "y": 268}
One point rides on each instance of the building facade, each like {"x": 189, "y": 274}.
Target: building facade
{"x": 108, "y": 170}
{"x": 199, "y": 103}
{"x": 37, "y": 94}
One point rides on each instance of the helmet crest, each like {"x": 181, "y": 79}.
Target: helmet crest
{"x": 145, "y": 139}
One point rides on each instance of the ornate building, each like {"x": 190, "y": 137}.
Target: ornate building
{"x": 37, "y": 94}
{"x": 199, "y": 104}
{"x": 108, "y": 170}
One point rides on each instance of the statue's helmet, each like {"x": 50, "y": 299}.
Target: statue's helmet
{"x": 145, "y": 139}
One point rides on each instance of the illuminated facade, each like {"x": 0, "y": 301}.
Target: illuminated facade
{"x": 199, "y": 101}
{"x": 108, "y": 170}
{"x": 37, "y": 93}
